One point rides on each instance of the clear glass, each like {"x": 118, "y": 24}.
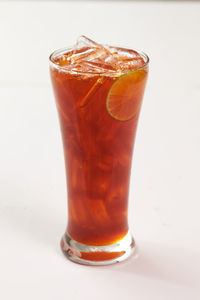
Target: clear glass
{"x": 98, "y": 139}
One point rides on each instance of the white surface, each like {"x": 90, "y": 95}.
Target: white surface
{"x": 164, "y": 215}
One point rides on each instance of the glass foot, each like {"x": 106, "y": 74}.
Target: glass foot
{"x": 97, "y": 255}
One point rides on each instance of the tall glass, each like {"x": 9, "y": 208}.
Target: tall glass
{"x": 98, "y": 108}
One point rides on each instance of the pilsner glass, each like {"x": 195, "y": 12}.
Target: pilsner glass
{"x": 98, "y": 91}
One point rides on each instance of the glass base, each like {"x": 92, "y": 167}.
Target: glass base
{"x": 97, "y": 255}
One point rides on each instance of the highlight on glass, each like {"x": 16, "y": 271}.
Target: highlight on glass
{"x": 98, "y": 93}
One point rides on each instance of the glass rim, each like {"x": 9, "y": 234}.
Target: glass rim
{"x": 108, "y": 73}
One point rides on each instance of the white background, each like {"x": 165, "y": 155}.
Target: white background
{"x": 164, "y": 200}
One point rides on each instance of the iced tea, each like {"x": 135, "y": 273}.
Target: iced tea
{"x": 98, "y": 91}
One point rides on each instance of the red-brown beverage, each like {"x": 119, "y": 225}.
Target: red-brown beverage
{"x": 98, "y": 93}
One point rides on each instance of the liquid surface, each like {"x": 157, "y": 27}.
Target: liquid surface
{"x": 97, "y": 145}
{"x": 90, "y": 58}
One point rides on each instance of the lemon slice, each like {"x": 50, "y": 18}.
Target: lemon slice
{"x": 125, "y": 95}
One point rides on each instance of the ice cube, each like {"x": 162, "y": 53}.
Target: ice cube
{"x": 84, "y": 41}
{"x": 124, "y": 59}
{"x": 135, "y": 63}
{"x": 98, "y": 67}
{"x": 98, "y": 51}
{"x": 78, "y": 56}
{"x": 123, "y": 52}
